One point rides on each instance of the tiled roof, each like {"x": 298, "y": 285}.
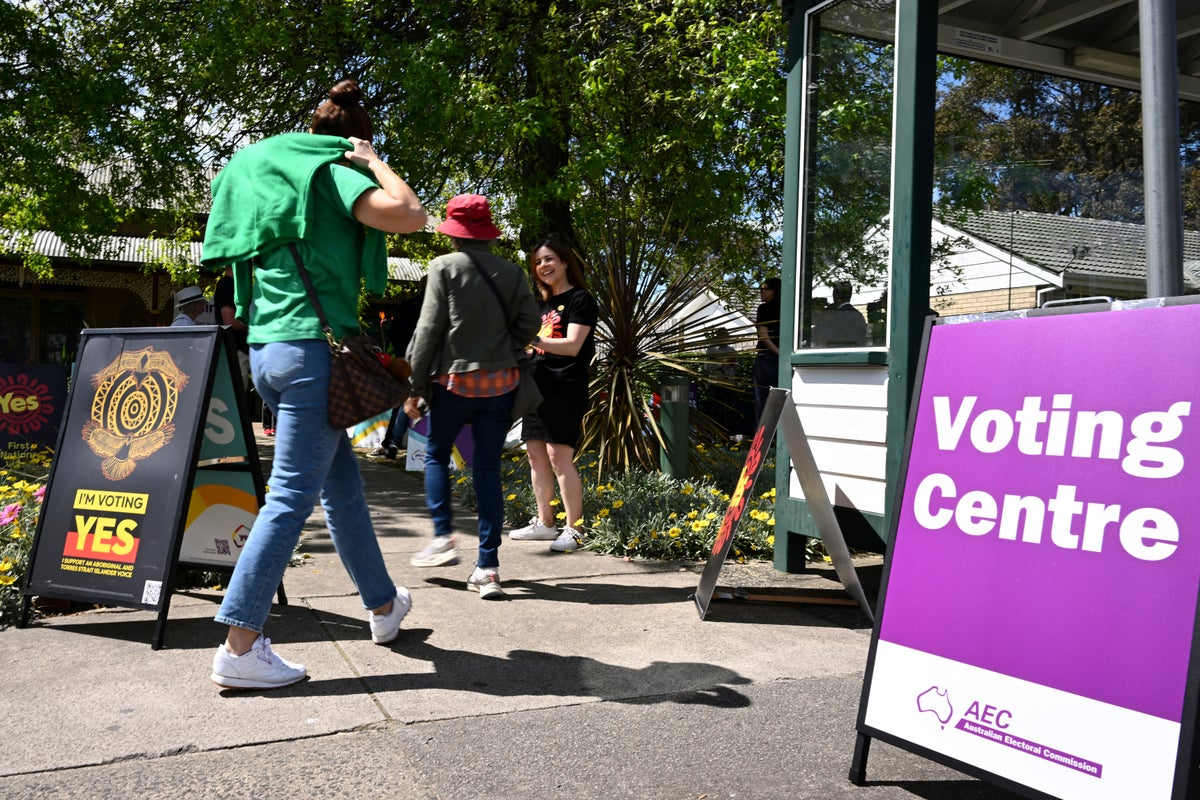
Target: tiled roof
{"x": 1075, "y": 246}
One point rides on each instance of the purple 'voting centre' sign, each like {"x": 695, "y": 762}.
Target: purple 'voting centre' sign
{"x": 1041, "y": 598}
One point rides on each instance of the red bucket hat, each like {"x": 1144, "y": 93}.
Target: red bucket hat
{"x": 468, "y": 216}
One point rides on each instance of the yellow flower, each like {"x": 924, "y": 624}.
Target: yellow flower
{"x": 602, "y": 513}
{"x": 6, "y": 565}
{"x": 674, "y": 532}
{"x": 555, "y": 502}
{"x": 711, "y": 515}
{"x": 653, "y": 534}
{"x": 771, "y": 522}
{"x": 687, "y": 488}
{"x": 693, "y": 514}
{"x": 511, "y": 497}
{"x": 715, "y": 492}
{"x": 699, "y": 525}
{"x": 561, "y": 515}
{"x": 700, "y": 448}
{"x": 673, "y": 515}
{"x": 8, "y": 580}
{"x": 618, "y": 503}
{"x": 771, "y": 540}
{"x": 633, "y": 542}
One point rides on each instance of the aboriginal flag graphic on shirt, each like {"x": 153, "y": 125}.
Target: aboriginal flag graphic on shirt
{"x": 574, "y": 306}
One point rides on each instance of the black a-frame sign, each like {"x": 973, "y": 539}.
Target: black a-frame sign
{"x": 155, "y": 468}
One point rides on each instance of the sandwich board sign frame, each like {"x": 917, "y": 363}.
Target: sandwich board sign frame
{"x": 1038, "y": 611}
{"x": 779, "y": 414}
{"x": 155, "y": 468}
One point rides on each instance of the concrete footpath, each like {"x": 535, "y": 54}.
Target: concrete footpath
{"x": 595, "y": 678}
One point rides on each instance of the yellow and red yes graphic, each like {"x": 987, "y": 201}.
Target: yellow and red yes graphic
{"x": 106, "y": 525}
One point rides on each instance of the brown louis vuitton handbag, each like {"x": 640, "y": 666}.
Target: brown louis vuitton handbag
{"x": 363, "y": 380}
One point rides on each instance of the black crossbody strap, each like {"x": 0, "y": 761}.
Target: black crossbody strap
{"x": 491, "y": 284}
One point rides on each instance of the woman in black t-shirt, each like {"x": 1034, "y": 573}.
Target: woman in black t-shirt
{"x": 563, "y": 351}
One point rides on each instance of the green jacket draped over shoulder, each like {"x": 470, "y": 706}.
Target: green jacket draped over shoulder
{"x": 262, "y": 201}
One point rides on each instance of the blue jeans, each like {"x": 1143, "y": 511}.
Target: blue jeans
{"x": 397, "y": 427}
{"x": 312, "y": 461}
{"x": 490, "y": 419}
{"x": 765, "y": 375}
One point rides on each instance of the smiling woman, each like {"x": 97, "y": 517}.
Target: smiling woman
{"x": 563, "y": 348}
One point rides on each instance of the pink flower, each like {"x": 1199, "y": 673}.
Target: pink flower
{"x": 10, "y": 513}
{"x": 40, "y": 493}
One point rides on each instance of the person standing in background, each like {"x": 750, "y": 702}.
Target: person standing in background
{"x": 189, "y": 304}
{"x": 227, "y": 318}
{"x": 400, "y": 332}
{"x": 843, "y": 325}
{"x": 564, "y": 348}
{"x": 324, "y": 198}
{"x": 766, "y": 363}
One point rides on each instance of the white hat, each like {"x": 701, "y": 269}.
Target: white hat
{"x": 185, "y": 296}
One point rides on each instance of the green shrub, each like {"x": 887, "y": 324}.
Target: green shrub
{"x": 22, "y": 485}
{"x": 648, "y": 514}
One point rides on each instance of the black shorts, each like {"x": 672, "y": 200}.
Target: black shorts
{"x": 559, "y": 420}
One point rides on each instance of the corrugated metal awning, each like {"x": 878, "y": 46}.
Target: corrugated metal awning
{"x": 404, "y": 269}
{"x": 138, "y": 250}
{"x": 130, "y": 249}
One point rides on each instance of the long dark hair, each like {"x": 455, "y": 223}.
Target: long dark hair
{"x": 569, "y": 257}
{"x": 343, "y": 113}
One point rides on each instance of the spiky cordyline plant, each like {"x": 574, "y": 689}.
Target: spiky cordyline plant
{"x": 643, "y": 337}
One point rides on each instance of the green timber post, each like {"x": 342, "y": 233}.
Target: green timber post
{"x": 789, "y": 513}
{"x": 914, "y": 83}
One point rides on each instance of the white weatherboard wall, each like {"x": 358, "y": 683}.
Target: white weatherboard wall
{"x": 844, "y": 413}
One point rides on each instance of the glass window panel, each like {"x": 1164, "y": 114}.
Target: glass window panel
{"x": 61, "y": 321}
{"x": 1040, "y": 190}
{"x": 847, "y": 184}
{"x": 16, "y": 325}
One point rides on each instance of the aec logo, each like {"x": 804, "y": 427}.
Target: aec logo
{"x": 24, "y": 404}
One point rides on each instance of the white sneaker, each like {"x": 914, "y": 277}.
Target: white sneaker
{"x": 257, "y": 668}
{"x": 486, "y": 581}
{"x": 567, "y": 541}
{"x": 534, "y": 531}
{"x": 438, "y": 553}
{"x": 386, "y": 627}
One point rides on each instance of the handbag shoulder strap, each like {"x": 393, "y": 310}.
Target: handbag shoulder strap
{"x": 312, "y": 294}
{"x": 492, "y": 285}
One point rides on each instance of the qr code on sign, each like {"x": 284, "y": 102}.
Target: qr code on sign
{"x": 151, "y": 592}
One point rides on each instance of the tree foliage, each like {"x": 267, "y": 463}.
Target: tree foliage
{"x": 643, "y": 337}
{"x": 529, "y": 101}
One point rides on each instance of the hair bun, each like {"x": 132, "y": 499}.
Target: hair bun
{"x": 346, "y": 93}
